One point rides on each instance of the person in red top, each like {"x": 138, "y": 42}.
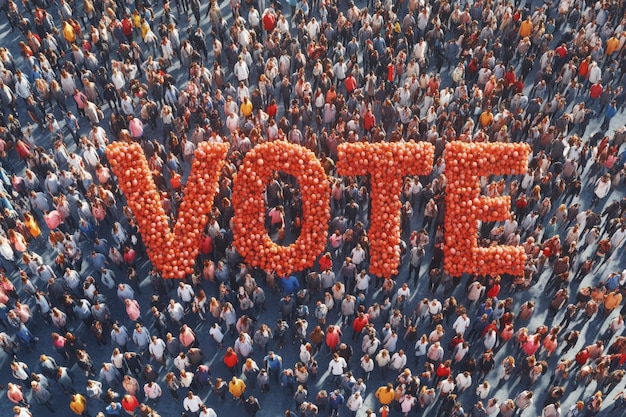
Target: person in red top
{"x": 391, "y": 72}
{"x": 272, "y": 109}
{"x": 369, "y": 120}
{"x": 333, "y": 338}
{"x": 583, "y": 68}
{"x": 206, "y": 245}
{"x": 433, "y": 85}
{"x": 326, "y": 262}
{"x": 361, "y": 320}
{"x": 595, "y": 92}
{"x": 350, "y": 83}
{"x": 491, "y": 326}
{"x": 495, "y": 288}
{"x": 129, "y": 256}
{"x": 269, "y": 21}
{"x": 127, "y": 28}
{"x": 442, "y": 372}
{"x": 129, "y": 404}
{"x": 231, "y": 361}
{"x": 15, "y": 395}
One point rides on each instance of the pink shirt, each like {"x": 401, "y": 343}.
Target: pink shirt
{"x": 53, "y": 219}
{"x": 133, "y": 310}
{"x": 136, "y": 128}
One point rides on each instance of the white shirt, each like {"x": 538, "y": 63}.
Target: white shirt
{"x": 241, "y": 70}
{"x": 153, "y": 391}
{"x": 157, "y": 348}
{"x": 397, "y": 362}
{"x": 209, "y": 412}
{"x": 335, "y": 367}
{"x": 463, "y": 382}
{"x": 185, "y": 293}
{"x": 192, "y": 404}
{"x": 461, "y": 324}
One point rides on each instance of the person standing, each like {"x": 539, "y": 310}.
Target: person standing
{"x": 192, "y": 403}
{"x": 153, "y": 392}
{"x": 252, "y": 406}
{"x": 78, "y": 404}
{"x": 236, "y": 387}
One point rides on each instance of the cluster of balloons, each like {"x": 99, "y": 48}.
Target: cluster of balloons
{"x": 465, "y": 207}
{"x": 250, "y": 235}
{"x": 387, "y": 164}
{"x": 173, "y": 253}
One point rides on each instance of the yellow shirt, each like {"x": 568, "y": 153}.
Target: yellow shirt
{"x": 78, "y": 404}
{"x": 136, "y": 20}
{"x": 485, "y": 119}
{"x": 385, "y": 397}
{"x": 246, "y": 108}
{"x": 236, "y": 388}
{"x": 68, "y": 33}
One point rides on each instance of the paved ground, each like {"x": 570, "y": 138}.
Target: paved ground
{"x": 276, "y": 401}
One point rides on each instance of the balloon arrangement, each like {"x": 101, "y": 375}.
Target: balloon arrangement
{"x": 172, "y": 253}
{"x": 465, "y": 164}
{"x": 387, "y": 164}
{"x": 250, "y": 236}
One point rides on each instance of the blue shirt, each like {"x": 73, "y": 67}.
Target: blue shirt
{"x": 114, "y": 411}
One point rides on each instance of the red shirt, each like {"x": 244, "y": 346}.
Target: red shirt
{"x": 390, "y": 70}
{"x": 129, "y": 256}
{"x": 206, "y": 245}
{"x": 493, "y": 291}
{"x": 130, "y": 404}
{"x": 359, "y": 323}
{"x": 369, "y": 120}
{"x": 269, "y": 22}
{"x": 127, "y": 26}
{"x": 272, "y": 109}
{"x": 509, "y": 78}
{"x": 443, "y": 371}
{"x": 231, "y": 359}
{"x": 350, "y": 84}
{"x": 595, "y": 91}
{"x": 325, "y": 263}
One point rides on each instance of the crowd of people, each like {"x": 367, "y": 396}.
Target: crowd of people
{"x": 88, "y": 323}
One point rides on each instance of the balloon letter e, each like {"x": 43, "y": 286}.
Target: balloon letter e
{"x": 465, "y": 164}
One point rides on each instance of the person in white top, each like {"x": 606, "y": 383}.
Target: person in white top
{"x": 206, "y": 412}
{"x": 185, "y": 293}
{"x": 153, "y": 391}
{"x": 475, "y": 292}
{"x": 192, "y": 402}
{"x": 241, "y": 70}
{"x": 404, "y": 290}
{"x": 157, "y": 349}
{"x": 354, "y": 403}
{"x": 336, "y": 367}
{"x": 463, "y": 381}
{"x": 461, "y": 324}
{"x": 407, "y": 403}
{"x": 398, "y": 360}
{"x": 446, "y": 386}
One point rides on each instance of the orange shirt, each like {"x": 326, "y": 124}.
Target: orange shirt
{"x": 525, "y": 28}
